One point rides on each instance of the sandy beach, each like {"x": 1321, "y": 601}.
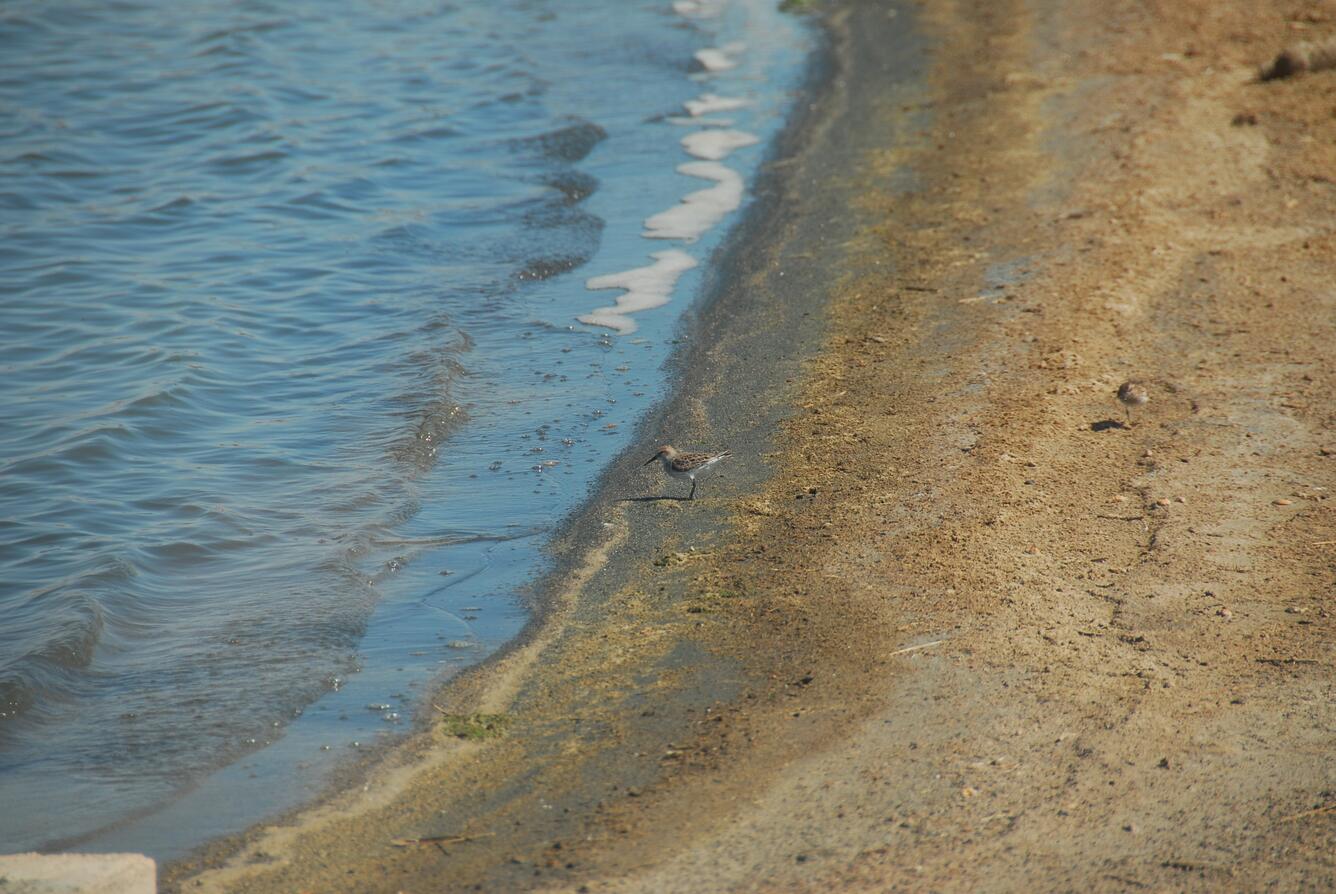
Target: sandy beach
{"x": 947, "y": 620}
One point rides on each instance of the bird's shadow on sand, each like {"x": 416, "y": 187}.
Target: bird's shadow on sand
{"x": 1106, "y": 424}
{"x": 657, "y": 499}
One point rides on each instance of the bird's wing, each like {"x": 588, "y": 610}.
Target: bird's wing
{"x": 688, "y": 461}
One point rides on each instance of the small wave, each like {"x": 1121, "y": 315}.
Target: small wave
{"x": 156, "y": 402}
{"x": 38, "y": 158}
{"x": 253, "y": 160}
{"x": 545, "y": 268}
{"x": 576, "y": 186}
{"x": 12, "y": 201}
{"x": 174, "y": 205}
{"x": 98, "y": 447}
{"x": 183, "y": 554}
{"x": 197, "y": 118}
{"x": 69, "y": 625}
{"x": 440, "y": 420}
{"x": 52, "y": 638}
{"x": 76, "y": 175}
{"x": 454, "y": 538}
{"x": 568, "y": 144}
{"x": 570, "y": 237}
{"x": 224, "y": 33}
{"x": 442, "y": 415}
{"x": 77, "y": 636}
{"x": 555, "y": 214}
{"x": 428, "y": 134}
{"x": 15, "y": 698}
{"x": 313, "y": 206}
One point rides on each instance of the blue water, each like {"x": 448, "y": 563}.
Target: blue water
{"x": 292, "y": 390}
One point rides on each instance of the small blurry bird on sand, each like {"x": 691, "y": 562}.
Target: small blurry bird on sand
{"x": 686, "y": 466}
{"x": 1132, "y": 394}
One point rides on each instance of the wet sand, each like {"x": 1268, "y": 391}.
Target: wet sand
{"x": 945, "y": 622}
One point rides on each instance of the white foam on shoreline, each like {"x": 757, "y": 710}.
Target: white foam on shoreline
{"x": 708, "y": 103}
{"x": 716, "y": 145}
{"x": 702, "y": 209}
{"x": 646, "y": 287}
{"x": 652, "y": 286}
{"x": 699, "y": 9}
{"x": 714, "y": 59}
{"x": 684, "y": 121}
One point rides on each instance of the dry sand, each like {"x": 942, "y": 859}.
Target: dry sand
{"x": 956, "y": 628}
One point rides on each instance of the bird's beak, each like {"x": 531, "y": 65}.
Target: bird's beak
{"x": 650, "y": 460}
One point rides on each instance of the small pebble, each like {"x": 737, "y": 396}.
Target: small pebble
{"x": 1225, "y": 613}
{"x": 1162, "y": 501}
{"x": 1282, "y": 502}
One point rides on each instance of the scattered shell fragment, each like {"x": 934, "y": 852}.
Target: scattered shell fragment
{"x": 1282, "y": 502}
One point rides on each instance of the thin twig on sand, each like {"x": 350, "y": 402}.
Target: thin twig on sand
{"x": 919, "y": 646}
{"x": 439, "y": 839}
{"x": 1316, "y": 811}
{"x": 1197, "y": 865}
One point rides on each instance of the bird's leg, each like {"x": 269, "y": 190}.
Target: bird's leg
{"x": 693, "y": 489}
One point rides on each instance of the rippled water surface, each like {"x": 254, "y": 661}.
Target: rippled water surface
{"x": 293, "y": 380}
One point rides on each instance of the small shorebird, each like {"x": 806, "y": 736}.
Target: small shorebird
{"x": 1132, "y": 394}
{"x": 686, "y": 466}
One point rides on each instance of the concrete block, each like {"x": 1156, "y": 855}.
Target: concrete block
{"x": 78, "y": 874}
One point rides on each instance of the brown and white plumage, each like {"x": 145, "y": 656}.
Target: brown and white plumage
{"x": 1132, "y": 394}
{"x": 686, "y": 466}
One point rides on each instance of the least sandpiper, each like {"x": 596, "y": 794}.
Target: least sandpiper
{"x": 686, "y": 466}
{"x": 1132, "y": 394}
